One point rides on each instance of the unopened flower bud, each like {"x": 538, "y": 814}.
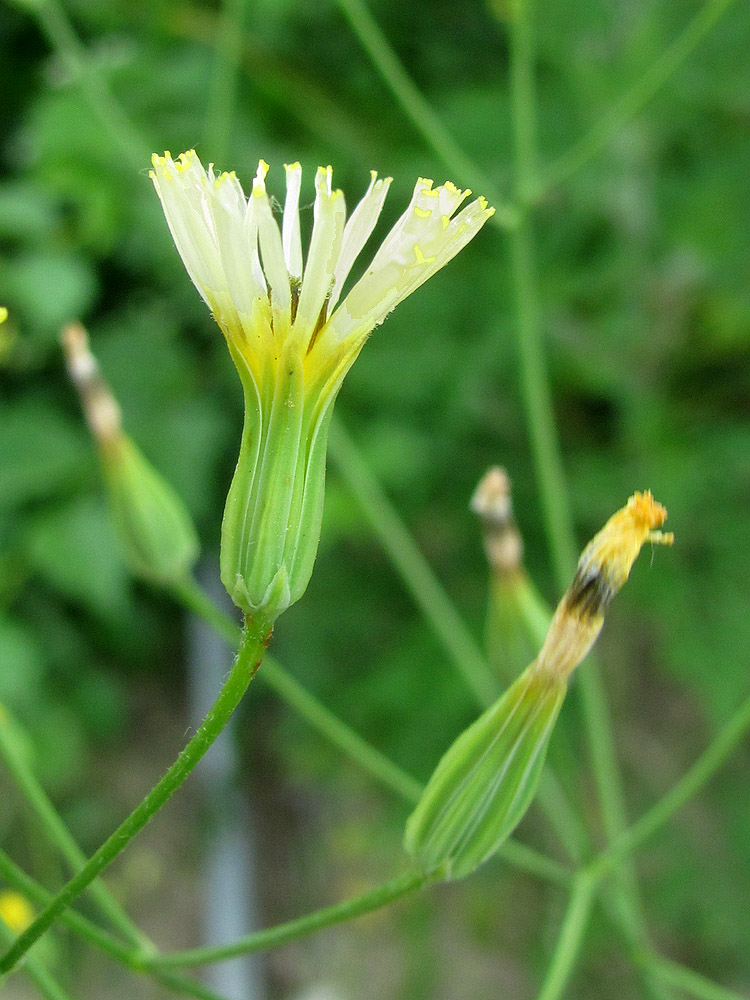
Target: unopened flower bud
{"x": 487, "y": 779}
{"x": 516, "y": 613}
{"x": 156, "y": 532}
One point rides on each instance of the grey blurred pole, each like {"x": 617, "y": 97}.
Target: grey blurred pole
{"x": 228, "y": 864}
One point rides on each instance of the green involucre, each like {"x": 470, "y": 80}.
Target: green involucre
{"x": 156, "y": 532}
{"x": 485, "y": 782}
{"x": 274, "y": 508}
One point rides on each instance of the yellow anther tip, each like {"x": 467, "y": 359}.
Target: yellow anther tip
{"x": 644, "y": 510}
{"x": 615, "y": 548}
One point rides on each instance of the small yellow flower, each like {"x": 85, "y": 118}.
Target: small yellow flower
{"x": 16, "y": 911}
{"x": 293, "y": 337}
{"x": 3, "y": 314}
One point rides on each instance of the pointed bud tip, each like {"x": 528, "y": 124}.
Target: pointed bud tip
{"x": 491, "y": 499}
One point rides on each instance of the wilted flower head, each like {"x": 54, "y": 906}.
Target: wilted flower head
{"x": 293, "y": 337}
{"x": 486, "y": 780}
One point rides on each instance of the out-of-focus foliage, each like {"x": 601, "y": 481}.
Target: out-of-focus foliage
{"x": 644, "y": 260}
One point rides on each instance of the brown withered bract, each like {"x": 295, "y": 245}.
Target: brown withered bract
{"x": 603, "y": 568}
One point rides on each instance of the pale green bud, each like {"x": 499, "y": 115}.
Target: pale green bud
{"x": 485, "y": 782}
{"x": 272, "y": 517}
{"x": 155, "y": 530}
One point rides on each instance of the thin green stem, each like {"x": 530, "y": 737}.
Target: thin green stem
{"x": 535, "y": 386}
{"x": 524, "y": 858}
{"x": 222, "y": 94}
{"x": 375, "y": 899}
{"x": 37, "y": 972}
{"x": 419, "y": 112}
{"x": 59, "y": 32}
{"x": 688, "y": 786}
{"x": 570, "y": 937}
{"x": 537, "y": 400}
{"x": 94, "y": 935}
{"x": 371, "y": 760}
{"x": 688, "y": 981}
{"x": 376, "y": 764}
{"x": 59, "y": 835}
{"x": 242, "y": 672}
{"x": 633, "y": 101}
{"x": 546, "y": 451}
{"x": 415, "y": 572}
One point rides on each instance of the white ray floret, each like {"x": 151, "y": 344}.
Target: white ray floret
{"x": 239, "y": 257}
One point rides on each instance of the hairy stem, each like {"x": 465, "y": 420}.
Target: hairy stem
{"x": 37, "y": 972}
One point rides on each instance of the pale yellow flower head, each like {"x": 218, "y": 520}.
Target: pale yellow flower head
{"x": 293, "y": 335}
{"x": 16, "y": 912}
{"x": 249, "y": 269}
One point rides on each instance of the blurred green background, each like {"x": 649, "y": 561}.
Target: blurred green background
{"x": 644, "y": 261}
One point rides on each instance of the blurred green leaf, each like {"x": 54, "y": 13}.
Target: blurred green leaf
{"x": 42, "y": 451}
{"x": 74, "y": 548}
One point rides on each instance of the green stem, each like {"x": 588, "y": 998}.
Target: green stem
{"x": 537, "y": 400}
{"x": 305, "y": 704}
{"x": 375, "y": 899}
{"x": 376, "y": 764}
{"x": 415, "y": 572}
{"x": 688, "y": 981}
{"x": 570, "y": 938}
{"x": 58, "y": 834}
{"x": 61, "y": 36}
{"x": 37, "y": 972}
{"x": 418, "y": 111}
{"x": 100, "y": 939}
{"x": 242, "y": 672}
{"x": 546, "y": 451}
{"x": 524, "y": 858}
{"x": 689, "y": 785}
{"x": 633, "y": 101}
{"x": 223, "y": 90}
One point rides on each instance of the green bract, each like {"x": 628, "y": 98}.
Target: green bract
{"x": 156, "y": 532}
{"x": 485, "y": 782}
